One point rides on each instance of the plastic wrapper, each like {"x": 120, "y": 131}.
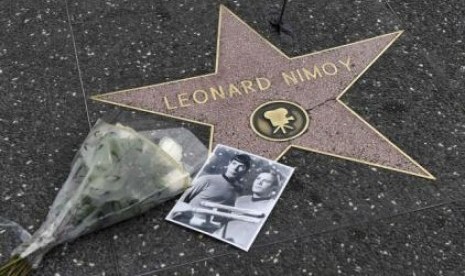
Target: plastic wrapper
{"x": 11, "y": 235}
{"x": 117, "y": 174}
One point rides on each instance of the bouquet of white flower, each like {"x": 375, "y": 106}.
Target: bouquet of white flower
{"x": 118, "y": 173}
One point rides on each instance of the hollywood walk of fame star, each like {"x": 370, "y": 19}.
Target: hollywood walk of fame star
{"x": 250, "y": 72}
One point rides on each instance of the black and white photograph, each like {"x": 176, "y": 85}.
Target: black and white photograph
{"x": 232, "y": 196}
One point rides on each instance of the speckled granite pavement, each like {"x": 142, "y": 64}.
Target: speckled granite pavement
{"x": 335, "y": 217}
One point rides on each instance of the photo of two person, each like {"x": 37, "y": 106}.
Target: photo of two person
{"x": 232, "y": 196}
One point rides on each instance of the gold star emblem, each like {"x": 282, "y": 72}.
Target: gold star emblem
{"x": 301, "y": 96}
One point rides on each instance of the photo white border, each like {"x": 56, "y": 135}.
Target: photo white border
{"x": 259, "y": 228}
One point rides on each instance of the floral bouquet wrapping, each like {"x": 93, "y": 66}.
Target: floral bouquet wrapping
{"x": 118, "y": 173}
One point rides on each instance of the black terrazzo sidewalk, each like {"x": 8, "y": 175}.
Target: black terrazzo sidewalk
{"x": 336, "y": 217}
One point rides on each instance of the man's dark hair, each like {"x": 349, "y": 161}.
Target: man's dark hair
{"x": 242, "y": 158}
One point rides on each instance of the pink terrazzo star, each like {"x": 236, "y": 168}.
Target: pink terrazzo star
{"x": 226, "y": 98}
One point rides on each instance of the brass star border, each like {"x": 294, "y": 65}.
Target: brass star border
{"x": 424, "y": 174}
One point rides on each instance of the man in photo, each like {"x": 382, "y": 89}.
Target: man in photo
{"x": 219, "y": 188}
{"x": 265, "y": 188}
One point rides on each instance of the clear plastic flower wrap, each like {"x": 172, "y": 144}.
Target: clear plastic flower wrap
{"x": 117, "y": 174}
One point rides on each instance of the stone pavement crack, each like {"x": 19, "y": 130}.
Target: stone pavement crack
{"x": 77, "y": 63}
{"x": 321, "y": 104}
